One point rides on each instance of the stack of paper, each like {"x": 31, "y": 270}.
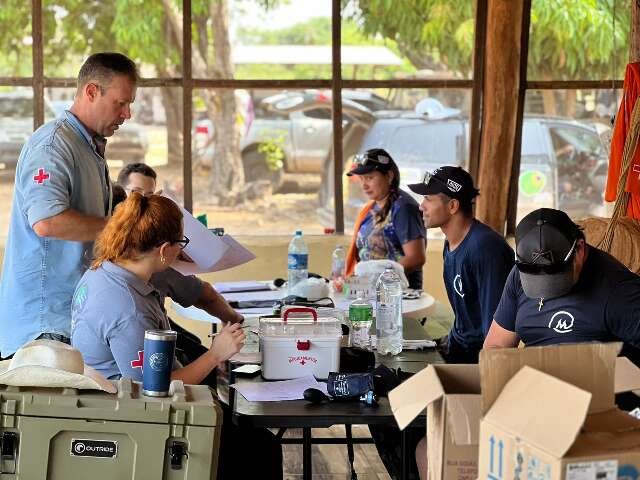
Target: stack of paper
{"x": 278, "y": 391}
{"x": 242, "y": 286}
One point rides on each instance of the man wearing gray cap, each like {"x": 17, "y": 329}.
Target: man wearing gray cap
{"x": 563, "y": 290}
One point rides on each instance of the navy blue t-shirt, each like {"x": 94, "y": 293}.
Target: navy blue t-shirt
{"x": 603, "y": 306}
{"x": 474, "y": 276}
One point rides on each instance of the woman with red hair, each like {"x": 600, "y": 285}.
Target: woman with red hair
{"x": 114, "y": 303}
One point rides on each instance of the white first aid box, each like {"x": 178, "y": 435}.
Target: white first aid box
{"x": 297, "y": 347}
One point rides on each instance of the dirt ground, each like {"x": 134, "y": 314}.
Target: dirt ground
{"x": 272, "y": 214}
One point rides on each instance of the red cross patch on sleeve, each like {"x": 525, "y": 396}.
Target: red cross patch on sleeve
{"x": 41, "y": 177}
{"x": 137, "y": 363}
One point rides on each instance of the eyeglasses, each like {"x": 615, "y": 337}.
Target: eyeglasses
{"x": 138, "y": 190}
{"x": 184, "y": 242}
{"x": 553, "y": 268}
{"x": 363, "y": 159}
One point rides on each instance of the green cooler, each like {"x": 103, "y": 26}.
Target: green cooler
{"x": 70, "y": 434}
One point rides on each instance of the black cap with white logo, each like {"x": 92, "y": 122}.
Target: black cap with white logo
{"x": 454, "y": 182}
{"x": 546, "y": 241}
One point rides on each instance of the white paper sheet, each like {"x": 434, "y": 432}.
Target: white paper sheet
{"x": 254, "y": 311}
{"x": 278, "y": 391}
{"x": 194, "y": 313}
{"x": 250, "y": 369}
{"x": 247, "y": 357}
{"x": 242, "y": 286}
{"x": 209, "y": 252}
{"x": 236, "y": 255}
{"x": 252, "y": 296}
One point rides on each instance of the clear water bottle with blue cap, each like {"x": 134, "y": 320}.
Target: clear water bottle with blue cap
{"x": 297, "y": 260}
{"x": 389, "y": 313}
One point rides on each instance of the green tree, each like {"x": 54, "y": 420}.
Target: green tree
{"x": 432, "y": 34}
{"x": 569, "y": 39}
{"x": 316, "y": 31}
{"x": 150, "y": 32}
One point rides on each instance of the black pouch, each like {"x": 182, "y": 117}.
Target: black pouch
{"x": 356, "y": 360}
{"x": 349, "y": 386}
{"x": 384, "y": 380}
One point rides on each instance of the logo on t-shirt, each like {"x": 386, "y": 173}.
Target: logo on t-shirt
{"x": 561, "y": 322}
{"x": 457, "y": 285}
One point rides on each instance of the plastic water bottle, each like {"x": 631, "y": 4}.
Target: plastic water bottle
{"x": 337, "y": 269}
{"x": 298, "y": 260}
{"x": 389, "y": 312}
{"x": 361, "y": 318}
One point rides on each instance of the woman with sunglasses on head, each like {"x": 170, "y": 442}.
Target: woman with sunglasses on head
{"x": 390, "y": 225}
{"x": 114, "y": 303}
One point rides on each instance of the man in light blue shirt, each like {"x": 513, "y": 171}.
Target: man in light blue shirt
{"x": 61, "y": 200}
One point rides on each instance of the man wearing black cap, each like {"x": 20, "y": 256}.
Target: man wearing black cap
{"x": 563, "y": 290}
{"x": 477, "y": 260}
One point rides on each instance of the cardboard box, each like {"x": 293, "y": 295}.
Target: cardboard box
{"x": 451, "y": 394}
{"x": 549, "y": 413}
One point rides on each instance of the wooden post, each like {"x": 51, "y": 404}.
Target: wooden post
{"x": 187, "y": 104}
{"x": 634, "y": 44}
{"x": 475, "y": 118}
{"x": 499, "y": 116}
{"x": 38, "y": 63}
{"x": 336, "y": 117}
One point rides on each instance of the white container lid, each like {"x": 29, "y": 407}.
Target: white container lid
{"x": 294, "y": 327}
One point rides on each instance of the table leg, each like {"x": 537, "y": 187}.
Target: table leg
{"x": 350, "y": 454}
{"x": 306, "y": 453}
{"x": 403, "y": 454}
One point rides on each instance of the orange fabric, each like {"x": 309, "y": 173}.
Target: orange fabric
{"x": 352, "y": 257}
{"x": 620, "y": 130}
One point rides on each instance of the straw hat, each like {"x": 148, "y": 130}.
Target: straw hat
{"x": 48, "y": 363}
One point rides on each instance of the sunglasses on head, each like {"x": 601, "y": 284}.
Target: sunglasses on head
{"x": 558, "y": 267}
{"x": 363, "y": 159}
{"x": 428, "y": 176}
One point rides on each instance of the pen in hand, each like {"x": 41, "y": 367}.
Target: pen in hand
{"x": 211, "y": 335}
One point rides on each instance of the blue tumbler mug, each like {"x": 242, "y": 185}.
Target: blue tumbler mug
{"x": 159, "y": 350}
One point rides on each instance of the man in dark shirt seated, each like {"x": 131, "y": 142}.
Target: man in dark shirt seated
{"x": 563, "y": 290}
{"x": 477, "y": 260}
